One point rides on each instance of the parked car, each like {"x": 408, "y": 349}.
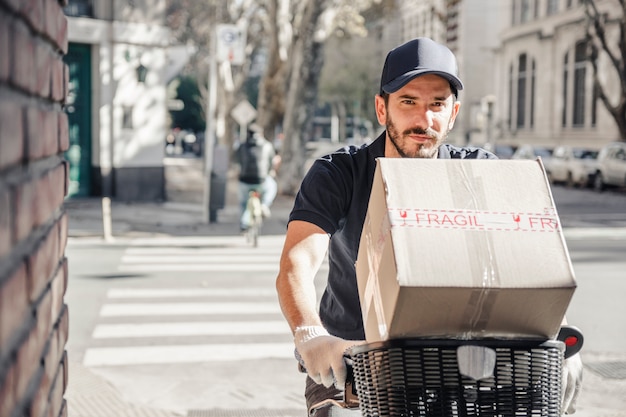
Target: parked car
{"x": 574, "y": 167}
{"x": 611, "y": 166}
{"x": 533, "y": 152}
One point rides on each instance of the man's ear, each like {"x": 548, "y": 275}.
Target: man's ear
{"x": 455, "y": 111}
{"x": 381, "y": 110}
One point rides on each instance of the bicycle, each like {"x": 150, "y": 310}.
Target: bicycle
{"x": 255, "y": 214}
{"x": 457, "y": 378}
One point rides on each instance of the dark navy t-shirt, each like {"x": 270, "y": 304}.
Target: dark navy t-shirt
{"x": 334, "y": 195}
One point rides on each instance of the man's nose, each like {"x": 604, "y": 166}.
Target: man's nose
{"x": 423, "y": 119}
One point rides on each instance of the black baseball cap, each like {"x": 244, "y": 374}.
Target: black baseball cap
{"x": 419, "y": 57}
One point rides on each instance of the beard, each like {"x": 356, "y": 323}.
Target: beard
{"x": 404, "y": 146}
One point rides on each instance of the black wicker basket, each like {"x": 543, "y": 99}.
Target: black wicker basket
{"x": 420, "y": 377}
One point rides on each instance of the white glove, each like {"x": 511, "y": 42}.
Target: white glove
{"x": 572, "y": 380}
{"x": 323, "y": 355}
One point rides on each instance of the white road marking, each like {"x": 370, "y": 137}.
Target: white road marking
{"x": 144, "y": 355}
{"x": 118, "y": 293}
{"x": 194, "y": 258}
{"x": 136, "y": 330}
{"x": 180, "y": 309}
{"x": 206, "y": 267}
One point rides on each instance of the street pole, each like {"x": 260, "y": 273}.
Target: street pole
{"x": 209, "y": 133}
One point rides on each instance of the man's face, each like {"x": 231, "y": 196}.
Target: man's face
{"x": 418, "y": 117}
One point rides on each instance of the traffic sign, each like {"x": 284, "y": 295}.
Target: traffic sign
{"x": 231, "y": 44}
{"x": 244, "y": 112}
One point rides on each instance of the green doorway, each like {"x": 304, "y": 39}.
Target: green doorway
{"x": 78, "y": 109}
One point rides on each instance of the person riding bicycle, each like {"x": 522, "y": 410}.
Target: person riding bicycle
{"x": 418, "y": 104}
{"x": 257, "y": 162}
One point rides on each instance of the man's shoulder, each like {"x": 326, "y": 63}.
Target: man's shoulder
{"x": 464, "y": 152}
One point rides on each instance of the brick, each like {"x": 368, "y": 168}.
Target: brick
{"x": 41, "y": 133}
{"x": 6, "y": 50}
{"x": 58, "y": 180}
{"x": 63, "y": 231}
{"x": 51, "y": 8}
{"x": 41, "y": 264}
{"x": 64, "y": 129}
{"x": 25, "y": 205}
{"x": 34, "y": 130}
{"x": 63, "y": 326}
{"x": 56, "y": 392}
{"x": 50, "y": 134}
{"x": 11, "y": 134}
{"x": 28, "y": 362}
{"x": 57, "y": 293}
{"x": 14, "y": 305}
{"x": 58, "y": 87}
{"x": 43, "y": 58}
{"x": 7, "y": 392}
{"x": 6, "y": 216}
{"x": 44, "y": 318}
{"x": 48, "y": 199}
{"x": 23, "y": 70}
{"x": 39, "y": 403}
{"x": 62, "y": 31}
{"x": 32, "y": 11}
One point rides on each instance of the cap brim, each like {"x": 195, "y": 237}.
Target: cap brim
{"x": 401, "y": 81}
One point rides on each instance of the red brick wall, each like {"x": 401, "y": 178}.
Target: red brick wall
{"x": 33, "y": 222}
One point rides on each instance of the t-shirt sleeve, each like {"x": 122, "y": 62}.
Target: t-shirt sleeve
{"x": 323, "y": 196}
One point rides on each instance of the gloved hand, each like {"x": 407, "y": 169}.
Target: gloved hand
{"x": 323, "y": 355}
{"x": 572, "y": 379}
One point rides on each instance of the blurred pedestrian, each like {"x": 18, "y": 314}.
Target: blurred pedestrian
{"x": 257, "y": 160}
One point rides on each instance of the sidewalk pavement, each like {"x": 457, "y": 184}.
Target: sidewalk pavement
{"x": 604, "y": 388}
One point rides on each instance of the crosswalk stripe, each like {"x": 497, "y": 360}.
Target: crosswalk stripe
{"x": 145, "y": 355}
{"x": 158, "y": 250}
{"x": 206, "y": 267}
{"x": 116, "y": 331}
{"x": 193, "y": 258}
{"x": 179, "y": 309}
{"x": 119, "y": 293}
{"x": 215, "y": 241}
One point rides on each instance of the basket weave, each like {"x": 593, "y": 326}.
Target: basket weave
{"x": 421, "y": 378}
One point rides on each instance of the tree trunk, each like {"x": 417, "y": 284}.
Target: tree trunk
{"x": 596, "y": 33}
{"x": 270, "y": 104}
{"x": 307, "y": 61}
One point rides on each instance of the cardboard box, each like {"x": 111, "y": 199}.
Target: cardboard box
{"x": 462, "y": 249}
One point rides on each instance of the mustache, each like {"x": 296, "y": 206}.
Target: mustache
{"x": 419, "y": 131}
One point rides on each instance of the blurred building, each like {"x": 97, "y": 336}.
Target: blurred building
{"x": 544, "y": 86}
{"x": 117, "y": 102}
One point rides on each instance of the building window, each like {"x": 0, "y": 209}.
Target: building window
{"x": 79, "y": 8}
{"x": 521, "y": 92}
{"x": 565, "y": 82}
{"x": 536, "y": 9}
{"x": 579, "y": 103}
{"x": 580, "y": 75}
{"x": 525, "y": 12}
{"x": 552, "y": 7}
{"x": 514, "y": 12}
{"x": 522, "y": 98}
{"x": 532, "y": 94}
{"x": 510, "y": 115}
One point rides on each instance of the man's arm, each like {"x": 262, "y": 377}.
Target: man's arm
{"x": 304, "y": 250}
{"x": 303, "y": 253}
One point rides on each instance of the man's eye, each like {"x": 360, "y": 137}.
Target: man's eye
{"x": 407, "y": 101}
